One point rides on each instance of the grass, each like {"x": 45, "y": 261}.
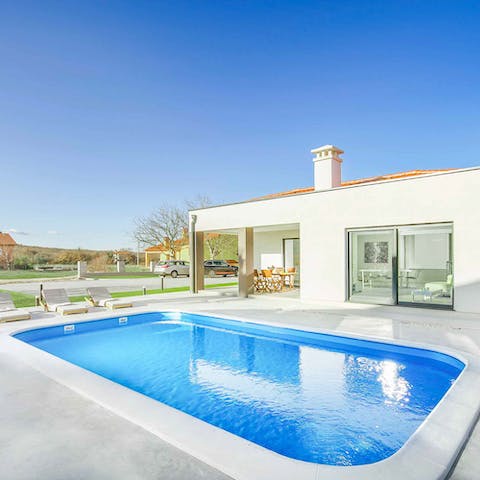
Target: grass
{"x": 21, "y": 299}
{"x": 126, "y": 275}
{"x": 25, "y": 300}
{"x": 27, "y": 274}
{"x": 134, "y": 293}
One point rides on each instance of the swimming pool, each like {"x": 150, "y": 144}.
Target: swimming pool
{"x": 313, "y": 397}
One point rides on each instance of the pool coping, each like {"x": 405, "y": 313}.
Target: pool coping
{"x": 428, "y": 454}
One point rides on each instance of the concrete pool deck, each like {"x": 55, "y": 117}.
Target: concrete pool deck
{"x": 49, "y": 431}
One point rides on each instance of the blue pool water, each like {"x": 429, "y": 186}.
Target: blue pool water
{"x": 313, "y": 397}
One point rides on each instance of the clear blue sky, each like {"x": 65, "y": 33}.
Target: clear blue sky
{"x": 110, "y": 108}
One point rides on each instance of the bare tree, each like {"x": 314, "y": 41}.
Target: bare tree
{"x": 7, "y": 246}
{"x": 165, "y": 226}
{"x": 216, "y": 242}
{"x": 168, "y": 226}
{"x": 200, "y": 201}
{"x": 6, "y": 256}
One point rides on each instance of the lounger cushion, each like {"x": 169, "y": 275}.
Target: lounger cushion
{"x": 13, "y": 315}
{"x": 67, "y": 308}
{"x": 101, "y": 296}
{"x": 57, "y": 300}
{"x": 8, "y": 311}
{"x": 114, "y": 303}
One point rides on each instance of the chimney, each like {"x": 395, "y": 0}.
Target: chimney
{"x": 327, "y": 167}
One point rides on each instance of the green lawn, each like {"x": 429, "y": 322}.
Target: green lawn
{"x": 27, "y": 274}
{"x": 21, "y": 299}
{"x": 126, "y": 275}
{"x": 134, "y": 293}
{"x": 25, "y": 300}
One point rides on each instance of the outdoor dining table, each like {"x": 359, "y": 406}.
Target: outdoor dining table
{"x": 283, "y": 277}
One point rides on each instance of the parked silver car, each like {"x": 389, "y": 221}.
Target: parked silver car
{"x": 174, "y": 268}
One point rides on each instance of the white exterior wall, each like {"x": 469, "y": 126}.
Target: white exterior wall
{"x": 325, "y": 216}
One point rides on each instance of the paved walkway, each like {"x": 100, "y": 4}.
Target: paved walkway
{"x": 50, "y": 432}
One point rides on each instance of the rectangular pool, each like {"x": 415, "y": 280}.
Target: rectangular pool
{"x": 314, "y": 397}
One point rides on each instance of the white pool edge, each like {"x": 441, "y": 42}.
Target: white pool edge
{"x": 428, "y": 454}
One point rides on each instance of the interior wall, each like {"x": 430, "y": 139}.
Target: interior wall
{"x": 377, "y": 237}
{"x": 268, "y": 247}
{"x": 428, "y": 251}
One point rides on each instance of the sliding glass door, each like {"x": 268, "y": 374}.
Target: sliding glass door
{"x": 372, "y": 258}
{"x": 425, "y": 265}
{"x": 410, "y": 265}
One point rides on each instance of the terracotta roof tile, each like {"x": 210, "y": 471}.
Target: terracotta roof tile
{"x": 379, "y": 178}
{"x": 162, "y": 247}
{"x": 6, "y": 240}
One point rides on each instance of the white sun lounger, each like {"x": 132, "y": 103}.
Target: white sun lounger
{"x": 56, "y": 300}
{"x": 100, "y": 296}
{"x": 8, "y": 311}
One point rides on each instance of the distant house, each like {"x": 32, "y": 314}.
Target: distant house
{"x": 7, "y": 245}
{"x": 162, "y": 251}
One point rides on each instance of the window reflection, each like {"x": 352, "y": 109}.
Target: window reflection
{"x": 361, "y": 372}
{"x": 394, "y": 386}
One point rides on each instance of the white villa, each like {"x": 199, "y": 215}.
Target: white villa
{"x": 410, "y": 238}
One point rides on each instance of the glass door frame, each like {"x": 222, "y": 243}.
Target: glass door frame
{"x": 394, "y": 261}
{"x": 297, "y": 274}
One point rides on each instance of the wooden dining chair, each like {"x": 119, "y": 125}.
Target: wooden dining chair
{"x": 259, "y": 282}
{"x": 291, "y": 278}
{"x": 273, "y": 282}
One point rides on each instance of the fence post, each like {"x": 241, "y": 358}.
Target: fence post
{"x": 81, "y": 269}
{"x": 39, "y": 296}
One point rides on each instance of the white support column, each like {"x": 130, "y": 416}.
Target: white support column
{"x": 245, "y": 262}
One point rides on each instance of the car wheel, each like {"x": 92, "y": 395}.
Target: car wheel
{"x": 211, "y": 273}
{"x": 174, "y": 274}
